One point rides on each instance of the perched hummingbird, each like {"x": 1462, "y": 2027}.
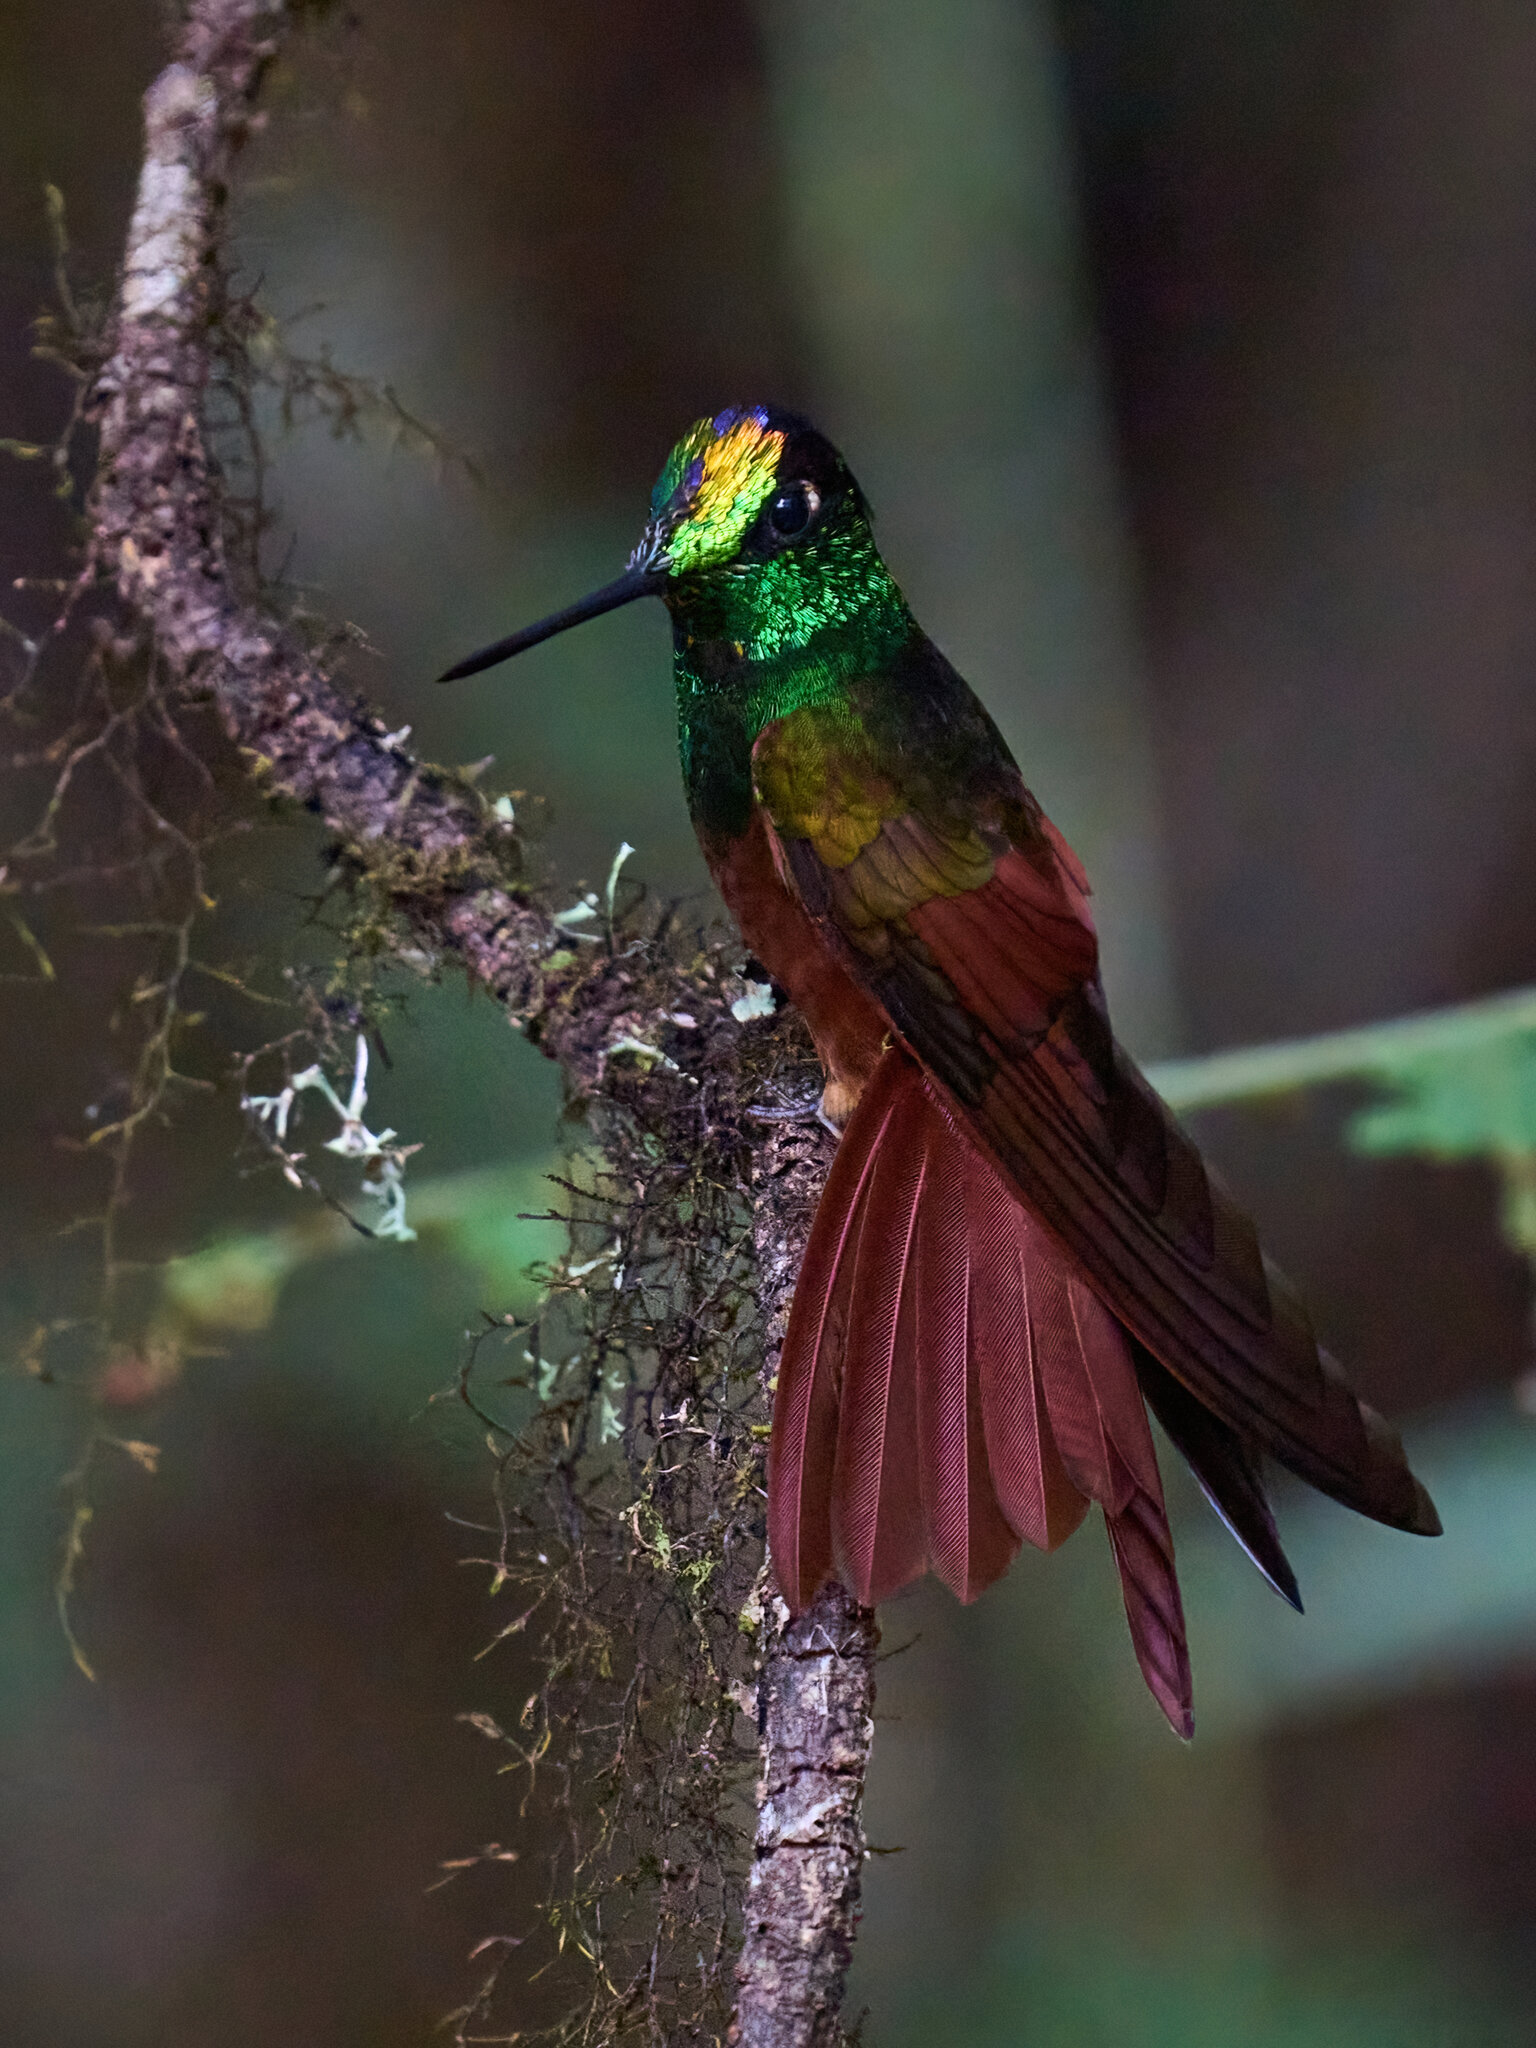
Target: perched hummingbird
{"x": 1018, "y": 1251}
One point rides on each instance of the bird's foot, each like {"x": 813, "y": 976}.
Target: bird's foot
{"x": 797, "y": 1108}
{"x": 809, "y": 1108}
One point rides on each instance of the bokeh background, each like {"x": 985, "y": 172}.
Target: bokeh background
{"x": 1186, "y": 351}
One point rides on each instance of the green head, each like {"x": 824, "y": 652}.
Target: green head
{"x": 758, "y": 543}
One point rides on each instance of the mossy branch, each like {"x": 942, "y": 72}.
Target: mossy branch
{"x": 441, "y": 872}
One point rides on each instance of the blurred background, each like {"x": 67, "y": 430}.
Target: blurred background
{"x": 1186, "y": 352}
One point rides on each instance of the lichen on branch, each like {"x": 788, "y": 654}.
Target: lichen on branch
{"x": 629, "y": 1421}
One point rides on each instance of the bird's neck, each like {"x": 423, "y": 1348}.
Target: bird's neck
{"x": 749, "y": 650}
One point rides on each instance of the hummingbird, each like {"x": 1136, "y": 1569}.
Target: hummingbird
{"x": 1018, "y": 1253}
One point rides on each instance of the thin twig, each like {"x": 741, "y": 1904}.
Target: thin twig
{"x": 449, "y": 868}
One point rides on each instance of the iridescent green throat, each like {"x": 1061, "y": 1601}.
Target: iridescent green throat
{"x": 760, "y": 640}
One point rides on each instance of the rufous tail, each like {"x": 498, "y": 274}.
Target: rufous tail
{"x": 950, "y": 1388}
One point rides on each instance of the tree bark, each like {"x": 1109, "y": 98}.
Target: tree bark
{"x": 816, "y": 1713}
{"x": 816, "y": 1692}
{"x": 450, "y": 867}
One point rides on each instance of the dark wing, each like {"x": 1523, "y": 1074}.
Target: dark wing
{"x": 950, "y": 898}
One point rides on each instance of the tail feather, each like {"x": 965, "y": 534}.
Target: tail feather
{"x": 1035, "y": 1494}
{"x": 1227, "y": 1470}
{"x": 949, "y": 1387}
{"x": 970, "y": 1539}
{"x": 805, "y": 1409}
{"x": 1206, "y": 1299}
{"x": 878, "y": 1537}
{"x": 1083, "y": 1366}
{"x": 1099, "y": 1420}
{"x": 1149, "y": 1586}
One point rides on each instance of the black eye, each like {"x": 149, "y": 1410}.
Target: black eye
{"x": 793, "y": 509}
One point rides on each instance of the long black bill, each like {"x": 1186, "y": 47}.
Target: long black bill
{"x": 632, "y": 584}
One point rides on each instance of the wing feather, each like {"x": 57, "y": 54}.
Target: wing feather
{"x": 961, "y": 911}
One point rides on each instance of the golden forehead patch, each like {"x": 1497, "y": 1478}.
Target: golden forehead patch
{"x": 727, "y": 466}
